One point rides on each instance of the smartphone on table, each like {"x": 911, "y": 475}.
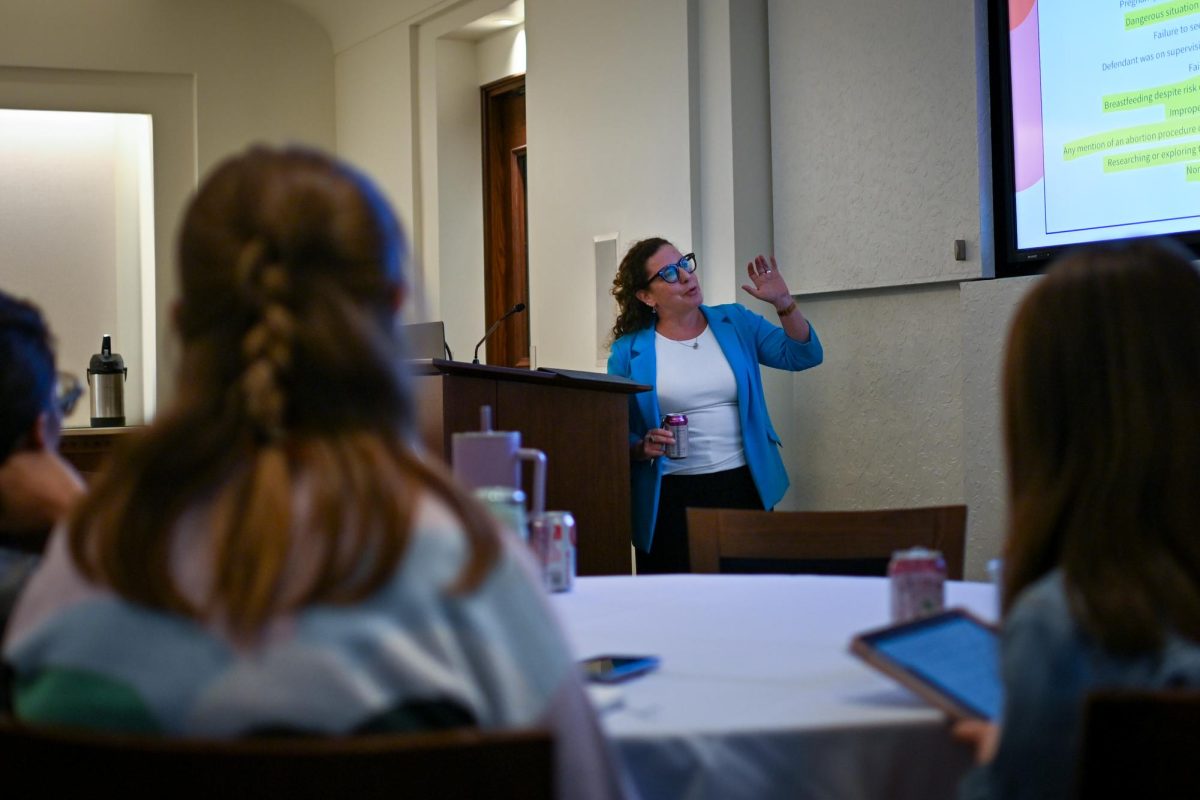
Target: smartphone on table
{"x": 617, "y": 668}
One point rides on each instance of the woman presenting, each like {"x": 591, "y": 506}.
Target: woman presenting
{"x": 703, "y": 362}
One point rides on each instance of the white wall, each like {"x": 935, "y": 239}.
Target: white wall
{"x": 500, "y": 55}
{"x": 460, "y": 196}
{"x": 263, "y": 70}
{"x": 608, "y": 130}
{"x": 374, "y": 112}
{"x": 216, "y": 76}
{"x": 71, "y": 177}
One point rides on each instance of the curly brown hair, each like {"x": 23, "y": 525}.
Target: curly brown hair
{"x": 633, "y": 314}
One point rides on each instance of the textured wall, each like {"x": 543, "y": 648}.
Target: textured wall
{"x": 874, "y": 141}
{"x": 905, "y": 411}
{"x": 987, "y": 306}
{"x": 880, "y": 423}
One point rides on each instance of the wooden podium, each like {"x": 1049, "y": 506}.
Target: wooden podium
{"x": 580, "y": 420}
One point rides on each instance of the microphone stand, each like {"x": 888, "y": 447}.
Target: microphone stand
{"x": 519, "y": 307}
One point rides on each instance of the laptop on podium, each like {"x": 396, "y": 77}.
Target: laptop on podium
{"x": 424, "y": 340}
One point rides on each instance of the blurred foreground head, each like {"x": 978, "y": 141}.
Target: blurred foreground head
{"x": 291, "y": 420}
{"x": 26, "y": 372}
{"x": 291, "y": 274}
{"x": 1102, "y": 432}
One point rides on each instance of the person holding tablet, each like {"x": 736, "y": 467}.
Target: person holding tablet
{"x": 702, "y": 361}
{"x": 1101, "y": 590}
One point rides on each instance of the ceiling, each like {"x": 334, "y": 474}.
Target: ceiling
{"x": 349, "y": 22}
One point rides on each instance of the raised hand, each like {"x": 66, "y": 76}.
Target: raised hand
{"x": 767, "y": 282}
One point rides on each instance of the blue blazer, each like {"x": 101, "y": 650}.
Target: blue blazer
{"x": 747, "y": 340}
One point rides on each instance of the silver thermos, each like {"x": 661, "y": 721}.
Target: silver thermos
{"x": 106, "y": 377}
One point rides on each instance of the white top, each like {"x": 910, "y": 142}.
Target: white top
{"x": 757, "y": 695}
{"x": 697, "y": 381}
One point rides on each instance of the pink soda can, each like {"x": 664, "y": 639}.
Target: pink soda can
{"x": 677, "y": 424}
{"x": 918, "y": 583}
{"x": 553, "y": 539}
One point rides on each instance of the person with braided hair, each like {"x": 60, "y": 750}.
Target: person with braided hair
{"x": 273, "y": 554}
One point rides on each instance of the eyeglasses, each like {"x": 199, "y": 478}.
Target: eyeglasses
{"x": 67, "y": 391}
{"x": 670, "y": 273}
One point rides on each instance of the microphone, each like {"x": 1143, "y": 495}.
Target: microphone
{"x": 518, "y": 308}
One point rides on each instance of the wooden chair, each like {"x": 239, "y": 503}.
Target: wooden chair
{"x": 821, "y": 541}
{"x": 463, "y": 763}
{"x": 1140, "y": 744}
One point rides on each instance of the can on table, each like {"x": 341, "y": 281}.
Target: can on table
{"x": 677, "y": 424}
{"x": 552, "y": 537}
{"x": 507, "y": 505}
{"x": 918, "y": 583}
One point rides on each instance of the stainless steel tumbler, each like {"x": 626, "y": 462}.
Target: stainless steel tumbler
{"x": 106, "y": 377}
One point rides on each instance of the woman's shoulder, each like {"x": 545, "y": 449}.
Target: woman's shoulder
{"x": 736, "y": 313}
{"x": 438, "y": 551}
{"x": 626, "y": 340}
{"x": 1043, "y": 606}
{"x": 1046, "y": 595}
{"x": 56, "y": 586}
{"x": 729, "y": 310}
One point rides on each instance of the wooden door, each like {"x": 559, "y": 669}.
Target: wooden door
{"x": 505, "y": 259}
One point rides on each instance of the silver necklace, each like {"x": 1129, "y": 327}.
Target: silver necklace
{"x": 694, "y": 344}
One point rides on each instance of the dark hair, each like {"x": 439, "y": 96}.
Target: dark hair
{"x": 1102, "y": 432}
{"x": 632, "y": 313}
{"x": 291, "y": 267}
{"x": 26, "y": 370}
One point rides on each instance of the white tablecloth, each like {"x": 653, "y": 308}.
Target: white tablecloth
{"x": 757, "y": 695}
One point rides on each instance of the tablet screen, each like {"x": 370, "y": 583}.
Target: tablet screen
{"x": 954, "y": 654}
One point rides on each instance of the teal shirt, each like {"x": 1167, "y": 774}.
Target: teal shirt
{"x": 747, "y": 340}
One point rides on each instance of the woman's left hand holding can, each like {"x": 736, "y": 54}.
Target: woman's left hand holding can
{"x": 653, "y": 444}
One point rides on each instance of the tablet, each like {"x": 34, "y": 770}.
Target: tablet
{"x": 951, "y": 659}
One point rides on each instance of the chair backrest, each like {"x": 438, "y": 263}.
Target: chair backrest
{"x": 717, "y": 536}
{"x": 1140, "y": 744}
{"x": 448, "y": 764}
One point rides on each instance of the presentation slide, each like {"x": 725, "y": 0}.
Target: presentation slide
{"x": 1106, "y": 118}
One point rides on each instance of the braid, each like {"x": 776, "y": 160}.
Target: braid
{"x": 267, "y": 345}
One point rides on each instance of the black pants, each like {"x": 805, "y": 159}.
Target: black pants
{"x": 669, "y": 550}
